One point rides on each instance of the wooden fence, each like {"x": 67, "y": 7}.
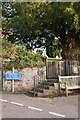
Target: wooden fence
{"x": 64, "y": 68}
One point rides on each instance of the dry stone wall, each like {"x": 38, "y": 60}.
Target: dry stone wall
{"x": 26, "y": 81}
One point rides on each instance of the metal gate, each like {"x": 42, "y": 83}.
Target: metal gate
{"x": 55, "y": 68}
{"x": 65, "y": 67}
{"x": 45, "y": 79}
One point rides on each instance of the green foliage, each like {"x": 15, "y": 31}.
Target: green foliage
{"x": 19, "y": 58}
{"x": 28, "y": 21}
{"x": 39, "y": 52}
{"x": 40, "y": 63}
{"x": 57, "y": 52}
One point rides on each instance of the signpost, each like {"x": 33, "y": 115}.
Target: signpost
{"x": 12, "y": 76}
{"x": 13, "y": 81}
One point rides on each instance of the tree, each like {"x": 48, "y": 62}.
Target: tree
{"x": 38, "y": 22}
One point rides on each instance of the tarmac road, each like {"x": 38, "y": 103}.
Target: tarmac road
{"x": 23, "y": 106}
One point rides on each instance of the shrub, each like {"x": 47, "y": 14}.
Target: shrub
{"x": 39, "y": 52}
{"x": 19, "y": 58}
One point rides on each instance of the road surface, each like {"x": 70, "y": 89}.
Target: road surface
{"x": 23, "y": 106}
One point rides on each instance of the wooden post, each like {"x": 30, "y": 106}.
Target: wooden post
{"x": 66, "y": 88}
{"x": 59, "y": 85}
{"x": 59, "y": 68}
{"x": 13, "y": 81}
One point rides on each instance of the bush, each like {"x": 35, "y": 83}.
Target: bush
{"x": 40, "y": 63}
{"x": 19, "y": 58}
{"x": 39, "y": 52}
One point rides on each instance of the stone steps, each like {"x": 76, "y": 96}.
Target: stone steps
{"x": 43, "y": 86}
{"x": 52, "y": 80}
{"x": 45, "y": 89}
{"x": 44, "y": 92}
{"x": 47, "y": 83}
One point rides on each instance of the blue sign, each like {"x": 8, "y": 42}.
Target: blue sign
{"x": 13, "y": 76}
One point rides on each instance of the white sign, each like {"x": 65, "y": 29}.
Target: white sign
{"x": 75, "y": 69}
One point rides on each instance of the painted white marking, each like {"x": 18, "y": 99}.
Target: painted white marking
{"x": 53, "y": 113}
{"x": 34, "y": 108}
{"x": 3, "y": 100}
{"x": 17, "y": 103}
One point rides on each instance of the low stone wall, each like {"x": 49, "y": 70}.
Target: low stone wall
{"x": 26, "y": 81}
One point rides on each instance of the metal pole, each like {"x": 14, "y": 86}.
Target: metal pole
{"x": 1, "y": 79}
{"x": 13, "y": 81}
{"x": 34, "y": 86}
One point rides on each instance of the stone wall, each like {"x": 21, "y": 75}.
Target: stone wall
{"x": 26, "y": 81}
